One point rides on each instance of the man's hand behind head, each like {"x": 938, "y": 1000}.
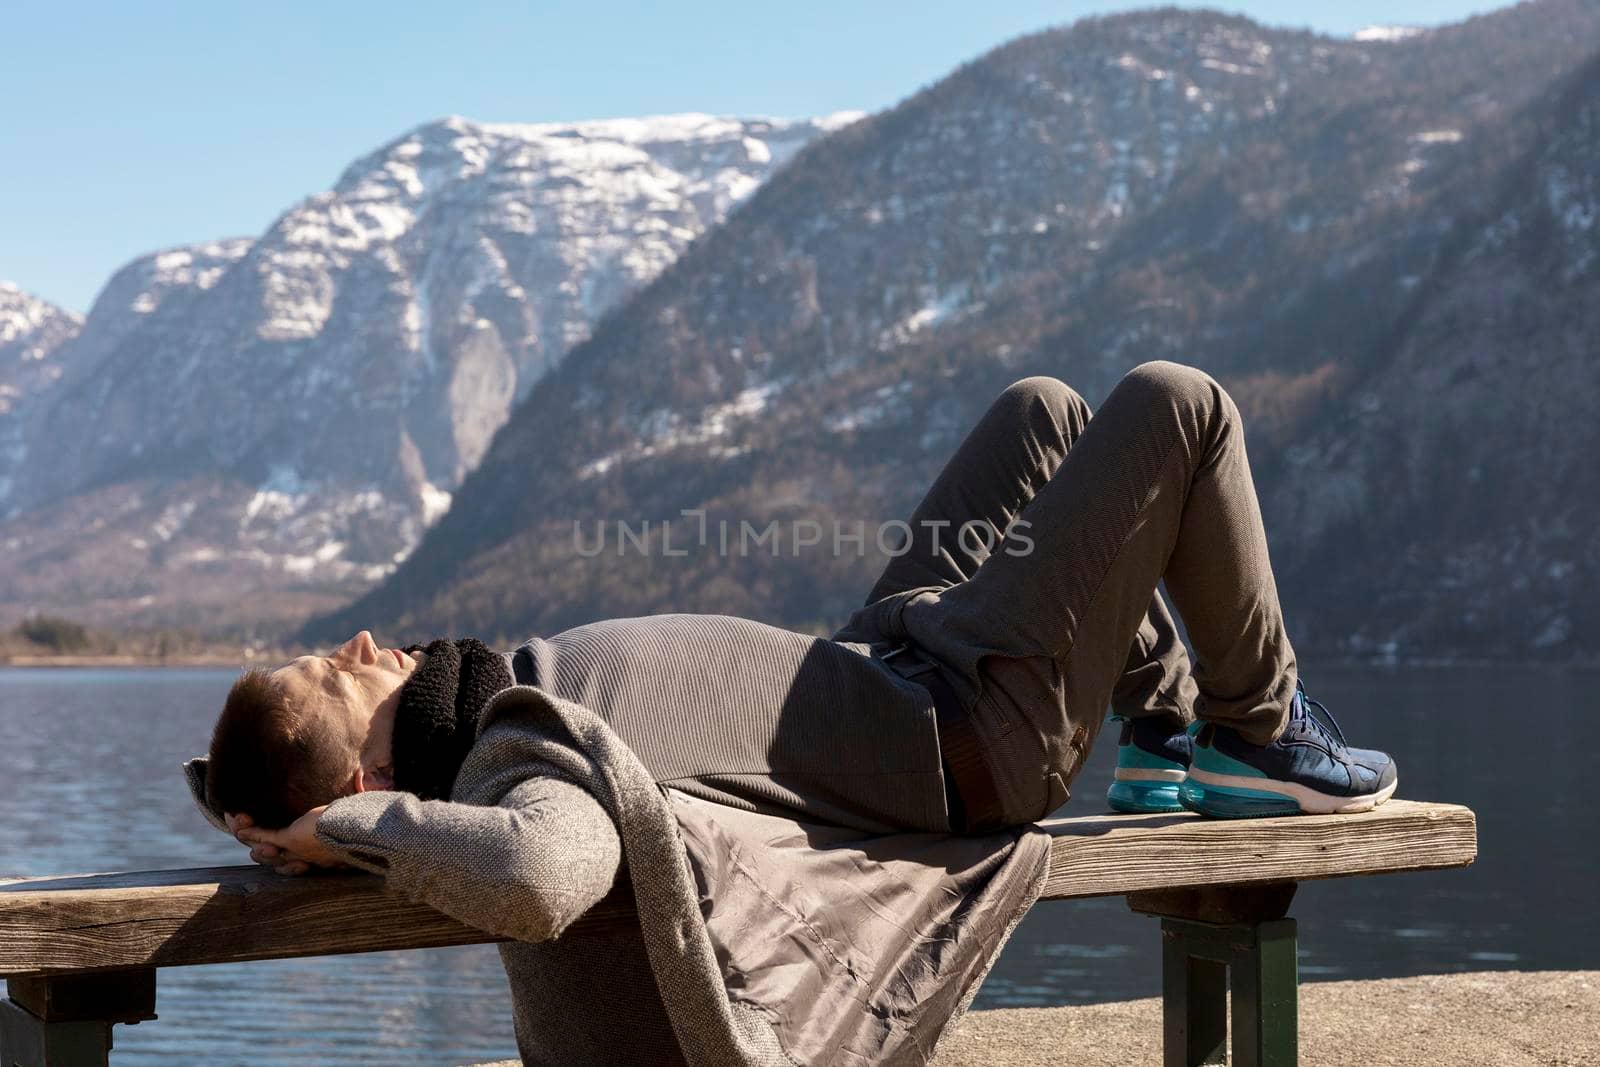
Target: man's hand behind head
{"x": 267, "y": 855}
{"x": 292, "y": 850}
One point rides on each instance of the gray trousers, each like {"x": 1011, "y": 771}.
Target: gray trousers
{"x": 1031, "y": 576}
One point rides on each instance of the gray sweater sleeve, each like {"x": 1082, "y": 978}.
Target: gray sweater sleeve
{"x": 523, "y": 868}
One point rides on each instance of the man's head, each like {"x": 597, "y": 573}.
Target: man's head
{"x": 319, "y": 727}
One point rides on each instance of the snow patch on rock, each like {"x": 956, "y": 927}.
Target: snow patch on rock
{"x": 1388, "y": 34}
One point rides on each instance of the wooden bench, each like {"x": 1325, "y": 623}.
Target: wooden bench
{"x": 81, "y": 953}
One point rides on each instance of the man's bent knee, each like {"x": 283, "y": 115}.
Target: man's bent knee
{"x": 1178, "y": 386}
{"x": 1057, "y": 397}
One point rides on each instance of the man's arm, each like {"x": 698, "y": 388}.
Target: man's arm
{"x": 524, "y": 868}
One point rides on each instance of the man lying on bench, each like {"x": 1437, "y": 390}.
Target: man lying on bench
{"x": 963, "y": 697}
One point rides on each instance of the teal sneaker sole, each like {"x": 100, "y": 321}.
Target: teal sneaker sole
{"x": 1223, "y": 802}
{"x": 1144, "y": 798}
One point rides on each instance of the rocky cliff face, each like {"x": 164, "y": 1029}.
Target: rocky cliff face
{"x": 1317, "y": 222}
{"x": 1452, "y": 499}
{"x": 247, "y": 430}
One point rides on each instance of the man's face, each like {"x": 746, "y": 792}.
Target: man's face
{"x": 359, "y": 684}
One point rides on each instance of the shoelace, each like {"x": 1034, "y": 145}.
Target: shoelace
{"x": 1306, "y": 703}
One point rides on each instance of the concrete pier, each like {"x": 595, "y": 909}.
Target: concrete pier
{"x": 1480, "y": 1019}
{"x": 1499, "y": 1018}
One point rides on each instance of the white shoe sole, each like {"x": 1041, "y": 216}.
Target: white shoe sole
{"x": 1147, "y": 774}
{"x": 1310, "y": 801}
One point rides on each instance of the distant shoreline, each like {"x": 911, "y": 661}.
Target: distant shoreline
{"x": 57, "y": 662}
{"x": 243, "y": 659}
{"x": 237, "y": 658}
{"x": 52, "y": 641}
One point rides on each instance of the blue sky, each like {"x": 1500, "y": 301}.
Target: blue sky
{"x": 129, "y": 127}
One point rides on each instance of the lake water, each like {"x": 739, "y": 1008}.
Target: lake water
{"x": 89, "y": 781}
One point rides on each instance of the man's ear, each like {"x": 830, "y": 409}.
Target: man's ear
{"x": 368, "y": 779}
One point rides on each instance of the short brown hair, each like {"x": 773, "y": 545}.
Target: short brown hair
{"x": 271, "y": 760}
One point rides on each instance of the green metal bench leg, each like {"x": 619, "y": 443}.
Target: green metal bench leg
{"x": 26, "y": 1041}
{"x": 1194, "y": 1007}
{"x": 66, "y": 1021}
{"x": 1266, "y": 1016}
{"x": 1259, "y": 959}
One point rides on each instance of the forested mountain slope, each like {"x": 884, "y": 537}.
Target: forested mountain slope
{"x": 1314, "y": 221}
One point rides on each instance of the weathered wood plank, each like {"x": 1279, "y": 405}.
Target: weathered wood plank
{"x": 228, "y": 914}
{"x": 1106, "y": 854}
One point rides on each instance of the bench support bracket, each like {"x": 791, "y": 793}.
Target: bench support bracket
{"x": 1209, "y": 938}
{"x": 66, "y": 1021}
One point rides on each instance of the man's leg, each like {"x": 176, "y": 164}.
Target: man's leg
{"x": 1014, "y": 451}
{"x": 1157, "y": 484}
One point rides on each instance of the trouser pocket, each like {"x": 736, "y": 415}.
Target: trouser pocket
{"x": 1057, "y": 791}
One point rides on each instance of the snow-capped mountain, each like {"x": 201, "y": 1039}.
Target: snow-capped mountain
{"x": 288, "y": 413}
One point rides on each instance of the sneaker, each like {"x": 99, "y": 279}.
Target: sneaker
{"x": 1308, "y": 770}
{"x": 1151, "y": 763}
